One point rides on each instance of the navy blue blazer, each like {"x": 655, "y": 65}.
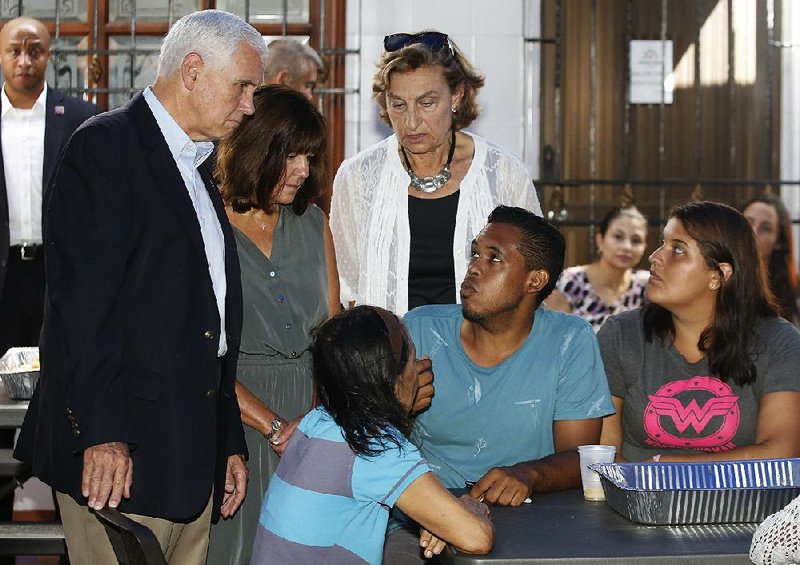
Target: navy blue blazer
{"x": 131, "y": 327}
{"x": 58, "y": 127}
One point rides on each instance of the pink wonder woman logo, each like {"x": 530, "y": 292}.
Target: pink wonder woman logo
{"x": 664, "y": 404}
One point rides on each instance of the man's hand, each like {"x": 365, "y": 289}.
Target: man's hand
{"x": 107, "y": 474}
{"x": 235, "y": 485}
{"x": 425, "y": 390}
{"x": 504, "y": 486}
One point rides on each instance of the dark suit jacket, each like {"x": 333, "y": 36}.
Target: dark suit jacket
{"x": 57, "y": 129}
{"x": 131, "y": 327}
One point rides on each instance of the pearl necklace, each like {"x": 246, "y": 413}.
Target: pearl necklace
{"x": 429, "y": 185}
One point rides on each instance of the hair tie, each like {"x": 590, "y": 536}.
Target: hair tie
{"x": 395, "y": 331}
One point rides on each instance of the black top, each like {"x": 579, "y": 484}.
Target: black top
{"x": 431, "y": 271}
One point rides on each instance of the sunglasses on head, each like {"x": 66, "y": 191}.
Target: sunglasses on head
{"x": 433, "y": 40}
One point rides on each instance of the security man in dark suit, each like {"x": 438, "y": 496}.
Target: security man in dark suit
{"x": 135, "y": 406}
{"x": 35, "y": 123}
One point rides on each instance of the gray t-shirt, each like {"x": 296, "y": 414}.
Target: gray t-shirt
{"x": 671, "y": 404}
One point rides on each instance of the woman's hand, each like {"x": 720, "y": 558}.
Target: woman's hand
{"x": 280, "y": 440}
{"x": 434, "y": 545}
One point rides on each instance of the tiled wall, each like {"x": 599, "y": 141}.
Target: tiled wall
{"x": 490, "y": 33}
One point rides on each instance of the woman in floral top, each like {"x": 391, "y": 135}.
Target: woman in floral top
{"x": 611, "y": 284}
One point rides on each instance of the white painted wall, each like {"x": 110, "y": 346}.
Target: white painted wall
{"x": 489, "y": 32}
{"x": 790, "y": 107}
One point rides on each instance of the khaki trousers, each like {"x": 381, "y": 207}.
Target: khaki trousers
{"x": 88, "y": 544}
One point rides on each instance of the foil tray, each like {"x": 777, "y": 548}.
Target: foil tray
{"x": 700, "y": 493}
{"x": 19, "y": 384}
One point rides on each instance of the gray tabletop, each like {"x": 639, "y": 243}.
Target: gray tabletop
{"x": 12, "y": 412}
{"x": 563, "y": 528}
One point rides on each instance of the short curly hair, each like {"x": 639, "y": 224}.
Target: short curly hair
{"x": 457, "y": 70}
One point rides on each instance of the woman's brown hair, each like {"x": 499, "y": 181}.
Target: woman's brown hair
{"x": 781, "y": 269}
{"x": 251, "y": 162}
{"x": 723, "y": 236}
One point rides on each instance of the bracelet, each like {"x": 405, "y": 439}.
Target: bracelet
{"x": 275, "y": 427}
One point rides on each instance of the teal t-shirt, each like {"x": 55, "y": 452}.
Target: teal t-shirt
{"x": 490, "y": 417}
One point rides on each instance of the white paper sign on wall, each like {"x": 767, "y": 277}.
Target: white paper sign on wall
{"x": 652, "y": 79}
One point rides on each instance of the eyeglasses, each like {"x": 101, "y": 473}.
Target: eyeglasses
{"x": 433, "y": 40}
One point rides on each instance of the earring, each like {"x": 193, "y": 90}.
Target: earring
{"x": 713, "y": 286}
{"x": 454, "y": 111}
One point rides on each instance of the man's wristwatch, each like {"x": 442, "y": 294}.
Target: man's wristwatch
{"x": 275, "y": 427}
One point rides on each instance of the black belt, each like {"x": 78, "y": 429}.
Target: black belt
{"x": 28, "y": 251}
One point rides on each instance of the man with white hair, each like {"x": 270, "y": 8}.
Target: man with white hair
{"x": 135, "y": 406}
{"x": 293, "y": 64}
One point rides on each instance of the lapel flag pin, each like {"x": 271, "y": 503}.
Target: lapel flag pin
{"x": 59, "y": 110}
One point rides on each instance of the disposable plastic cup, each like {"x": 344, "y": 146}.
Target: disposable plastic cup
{"x": 590, "y": 454}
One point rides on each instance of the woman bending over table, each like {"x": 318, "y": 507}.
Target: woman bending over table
{"x": 349, "y": 460}
{"x": 706, "y": 370}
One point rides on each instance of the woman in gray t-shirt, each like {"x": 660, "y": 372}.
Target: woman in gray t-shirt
{"x": 706, "y": 371}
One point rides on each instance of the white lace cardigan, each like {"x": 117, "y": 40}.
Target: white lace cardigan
{"x": 369, "y": 217}
{"x": 777, "y": 539}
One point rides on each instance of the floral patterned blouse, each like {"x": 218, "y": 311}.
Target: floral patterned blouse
{"x": 575, "y": 286}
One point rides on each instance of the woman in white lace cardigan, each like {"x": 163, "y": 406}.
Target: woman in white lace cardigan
{"x": 405, "y": 210}
{"x": 777, "y": 539}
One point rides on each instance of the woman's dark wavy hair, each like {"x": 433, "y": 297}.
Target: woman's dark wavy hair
{"x": 457, "y": 70}
{"x": 251, "y": 162}
{"x": 356, "y": 373}
{"x": 723, "y": 236}
{"x": 784, "y": 281}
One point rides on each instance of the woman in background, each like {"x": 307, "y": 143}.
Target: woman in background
{"x": 269, "y": 171}
{"x": 611, "y": 284}
{"x": 404, "y": 211}
{"x": 350, "y": 461}
{"x": 706, "y": 370}
{"x": 773, "y": 229}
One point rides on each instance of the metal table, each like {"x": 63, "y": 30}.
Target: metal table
{"x": 563, "y": 528}
{"x": 12, "y": 412}
{"x": 23, "y": 538}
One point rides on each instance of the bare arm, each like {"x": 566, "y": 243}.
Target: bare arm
{"x": 334, "y": 304}
{"x": 431, "y": 505}
{"x": 777, "y": 432}
{"x": 612, "y": 428}
{"x": 510, "y": 486}
{"x": 259, "y": 416}
{"x": 557, "y": 301}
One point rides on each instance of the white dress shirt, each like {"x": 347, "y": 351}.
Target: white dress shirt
{"x": 23, "y": 161}
{"x": 189, "y": 155}
{"x": 369, "y": 217}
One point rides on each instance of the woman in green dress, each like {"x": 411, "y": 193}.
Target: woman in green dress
{"x": 269, "y": 171}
